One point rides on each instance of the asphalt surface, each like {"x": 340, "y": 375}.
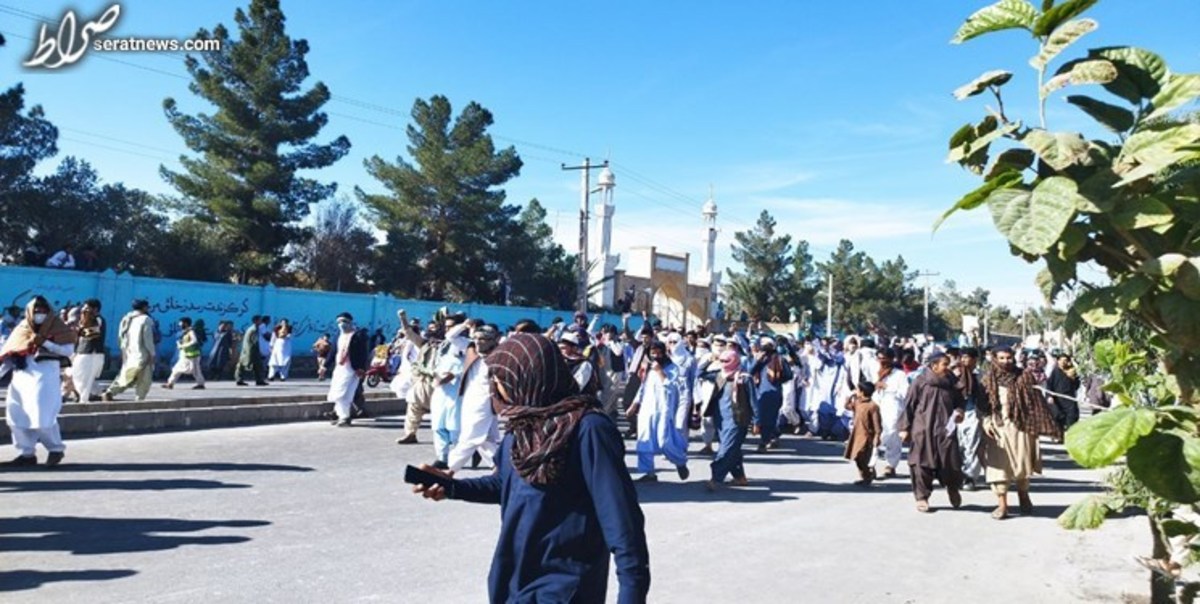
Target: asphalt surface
{"x": 311, "y": 513}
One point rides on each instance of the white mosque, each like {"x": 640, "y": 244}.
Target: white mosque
{"x": 654, "y": 280}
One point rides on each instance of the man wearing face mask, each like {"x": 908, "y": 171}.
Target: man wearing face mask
{"x": 136, "y": 335}
{"x": 36, "y": 347}
{"x": 655, "y": 406}
{"x": 480, "y": 430}
{"x": 728, "y": 405}
{"x": 351, "y": 358}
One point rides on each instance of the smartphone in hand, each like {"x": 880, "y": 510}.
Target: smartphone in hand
{"x": 415, "y": 475}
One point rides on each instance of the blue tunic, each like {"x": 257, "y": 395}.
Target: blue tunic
{"x": 555, "y": 541}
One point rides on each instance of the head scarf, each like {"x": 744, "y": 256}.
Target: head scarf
{"x": 543, "y": 404}
{"x": 731, "y": 361}
{"x": 1026, "y": 407}
{"x": 27, "y": 334}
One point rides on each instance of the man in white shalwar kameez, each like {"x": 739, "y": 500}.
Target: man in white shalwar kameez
{"x": 655, "y": 406}
{"x": 444, "y": 409}
{"x": 685, "y": 363}
{"x": 401, "y": 385}
{"x": 891, "y": 389}
{"x": 480, "y": 428}
{"x": 35, "y": 349}
{"x": 89, "y": 352}
{"x": 350, "y": 350}
{"x": 136, "y": 337}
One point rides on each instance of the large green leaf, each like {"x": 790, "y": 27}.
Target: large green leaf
{"x": 1061, "y": 38}
{"x": 1148, "y": 152}
{"x": 1168, "y": 463}
{"x": 1060, "y": 150}
{"x": 1033, "y": 221}
{"x": 1058, "y": 15}
{"x": 1005, "y": 14}
{"x": 1077, "y": 73}
{"x": 1117, "y": 119}
{"x": 1105, "y": 354}
{"x": 1099, "y": 307}
{"x": 1086, "y": 514}
{"x": 1012, "y": 160}
{"x": 1179, "y": 90}
{"x": 997, "y": 77}
{"x": 1102, "y": 439}
{"x": 976, "y": 198}
{"x": 1142, "y": 213}
{"x": 1141, "y": 72}
{"x": 972, "y": 154}
{"x": 1181, "y": 317}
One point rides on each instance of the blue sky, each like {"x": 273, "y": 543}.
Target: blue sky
{"x": 833, "y": 116}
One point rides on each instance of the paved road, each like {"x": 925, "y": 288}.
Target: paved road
{"x": 227, "y": 389}
{"x": 310, "y": 513}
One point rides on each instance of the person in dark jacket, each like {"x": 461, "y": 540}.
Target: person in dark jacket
{"x": 1063, "y": 384}
{"x": 933, "y": 409}
{"x": 222, "y": 351}
{"x": 352, "y": 358}
{"x": 567, "y": 503}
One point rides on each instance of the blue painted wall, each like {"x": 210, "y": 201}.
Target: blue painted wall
{"x": 310, "y": 312}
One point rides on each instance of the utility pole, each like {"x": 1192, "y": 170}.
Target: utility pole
{"x": 927, "y": 275}
{"x": 585, "y": 175}
{"x": 1024, "y": 329}
{"x": 987, "y": 315}
{"x": 829, "y": 310}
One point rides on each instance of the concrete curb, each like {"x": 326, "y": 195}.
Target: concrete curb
{"x": 183, "y": 417}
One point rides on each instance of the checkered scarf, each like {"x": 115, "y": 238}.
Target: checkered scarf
{"x": 543, "y": 404}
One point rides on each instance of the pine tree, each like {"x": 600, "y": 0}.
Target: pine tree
{"x": 245, "y": 185}
{"x": 444, "y": 205}
{"x": 25, "y": 139}
{"x": 762, "y": 289}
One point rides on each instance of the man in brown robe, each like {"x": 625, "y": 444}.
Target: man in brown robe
{"x": 1014, "y": 416}
{"x": 933, "y": 409}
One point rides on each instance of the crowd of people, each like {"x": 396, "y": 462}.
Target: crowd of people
{"x": 671, "y": 384}
{"x": 970, "y": 418}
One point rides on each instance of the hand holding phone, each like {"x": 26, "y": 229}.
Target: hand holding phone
{"x": 430, "y": 482}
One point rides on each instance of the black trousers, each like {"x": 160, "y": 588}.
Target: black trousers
{"x": 1067, "y": 412}
{"x": 922, "y": 480}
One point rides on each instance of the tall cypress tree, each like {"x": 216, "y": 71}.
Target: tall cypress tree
{"x": 245, "y": 185}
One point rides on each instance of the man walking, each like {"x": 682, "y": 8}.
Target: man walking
{"x": 89, "y": 351}
{"x": 932, "y": 411}
{"x": 136, "y": 336}
{"x": 351, "y": 360}
{"x": 251, "y": 359}
{"x": 1014, "y": 416}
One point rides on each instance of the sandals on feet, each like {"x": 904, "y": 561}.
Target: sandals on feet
{"x": 923, "y": 507}
{"x": 999, "y": 514}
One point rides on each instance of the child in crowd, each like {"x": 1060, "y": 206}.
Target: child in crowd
{"x": 866, "y": 432}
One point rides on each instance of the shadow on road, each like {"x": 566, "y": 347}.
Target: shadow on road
{"x": 89, "y": 536}
{"x": 761, "y": 490}
{"x": 177, "y": 467}
{"x": 170, "y": 484}
{"x": 18, "y": 580}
